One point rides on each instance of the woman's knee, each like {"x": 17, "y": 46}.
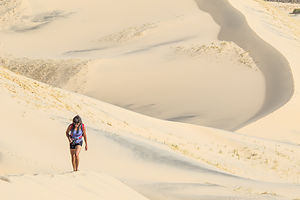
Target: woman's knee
{"x": 77, "y": 155}
{"x": 72, "y": 153}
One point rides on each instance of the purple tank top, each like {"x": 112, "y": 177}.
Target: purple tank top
{"x": 77, "y": 134}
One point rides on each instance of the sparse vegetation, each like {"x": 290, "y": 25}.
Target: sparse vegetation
{"x": 296, "y": 11}
{"x": 174, "y": 146}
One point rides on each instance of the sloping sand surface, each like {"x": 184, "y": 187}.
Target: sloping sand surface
{"x": 274, "y": 66}
{"x": 281, "y": 32}
{"x": 66, "y": 185}
{"x": 153, "y": 157}
{"x": 161, "y": 65}
{"x": 168, "y": 65}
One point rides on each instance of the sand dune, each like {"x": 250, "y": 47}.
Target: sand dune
{"x": 66, "y": 185}
{"x": 274, "y": 66}
{"x": 137, "y": 149}
{"x": 161, "y": 65}
{"x": 135, "y": 63}
{"x": 281, "y": 125}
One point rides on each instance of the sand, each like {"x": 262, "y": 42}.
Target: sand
{"x": 136, "y": 62}
{"x": 274, "y": 66}
{"x": 135, "y": 156}
{"x": 280, "y": 125}
{"x": 153, "y": 157}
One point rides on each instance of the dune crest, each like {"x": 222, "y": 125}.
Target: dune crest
{"x": 126, "y": 59}
{"x": 170, "y": 63}
{"x": 212, "y": 146}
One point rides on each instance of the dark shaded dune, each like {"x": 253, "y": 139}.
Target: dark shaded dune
{"x": 274, "y": 66}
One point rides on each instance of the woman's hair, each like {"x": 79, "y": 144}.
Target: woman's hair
{"x": 76, "y": 120}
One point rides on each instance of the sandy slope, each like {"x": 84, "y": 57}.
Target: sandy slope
{"x": 65, "y": 185}
{"x": 283, "y": 34}
{"x": 274, "y": 66}
{"x": 139, "y": 63}
{"x": 157, "y": 159}
{"x": 137, "y": 149}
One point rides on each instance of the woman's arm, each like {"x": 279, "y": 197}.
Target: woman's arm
{"x": 85, "y": 138}
{"x": 67, "y": 133}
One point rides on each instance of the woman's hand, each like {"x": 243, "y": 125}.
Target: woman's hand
{"x": 86, "y": 147}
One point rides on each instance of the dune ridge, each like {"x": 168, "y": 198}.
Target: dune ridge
{"x": 133, "y": 156}
{"x": 119, "y": 52}
{"x": 269, "y": 157}
{"x": 216, "y": 149}
{"x": 274, "y": 66}
{"x": 281, "y": 125}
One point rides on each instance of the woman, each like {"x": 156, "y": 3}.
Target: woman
{"x": 74, "y": 133}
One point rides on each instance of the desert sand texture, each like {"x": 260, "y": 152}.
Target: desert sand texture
{"x": 177, "y": 61}
{"x": 169, "y": 65}
{"x": 157, "y": 159}
{"x": 283, "y": 34}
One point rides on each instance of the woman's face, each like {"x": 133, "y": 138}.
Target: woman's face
{"x": 76, "y": 125}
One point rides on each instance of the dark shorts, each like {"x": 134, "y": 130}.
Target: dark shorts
{"x": 74, "y": 144}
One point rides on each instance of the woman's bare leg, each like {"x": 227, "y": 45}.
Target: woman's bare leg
{"x": 73, "y": 156}
{"x": 77, "y": 151}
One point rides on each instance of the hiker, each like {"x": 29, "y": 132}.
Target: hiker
{"x": 74, "y": 133}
